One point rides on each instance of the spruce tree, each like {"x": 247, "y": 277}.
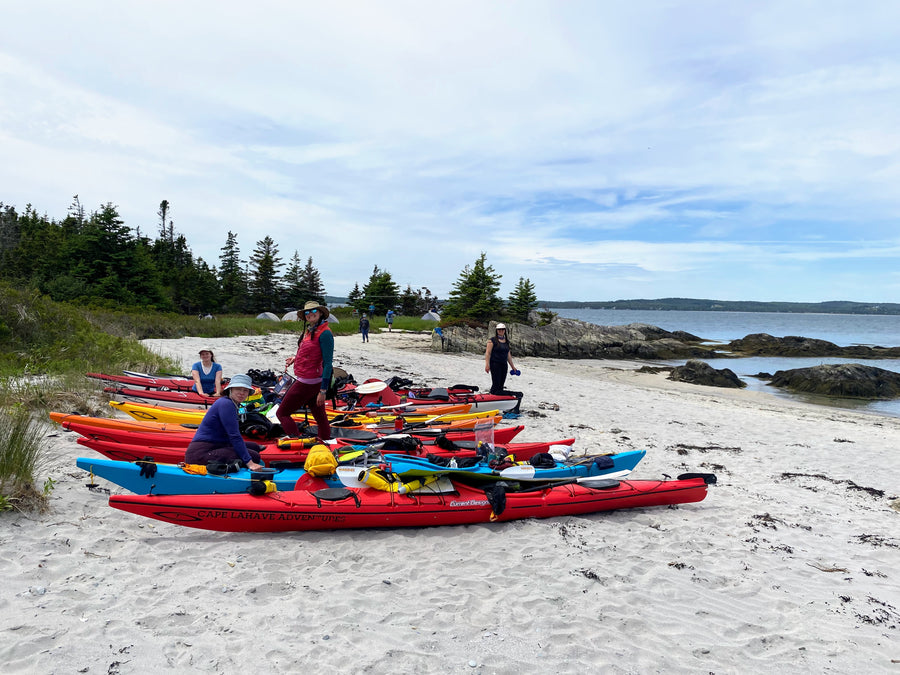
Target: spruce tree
{"x": 295, "y": 291}
{"x": 355, "y": 298}
{"x": 231, "y": 277}
{"x": 474, "y": 295}
{"x": 312, "y": 280}
{"x": 411, "y": 302}
{"x": 521, "y": 301}
{"x": 264, "y": 284}
{"x": 381, "y": 291}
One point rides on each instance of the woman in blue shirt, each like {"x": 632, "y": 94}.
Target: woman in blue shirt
{"x": 207, "y": 374}
{"x": 218, "y": 439}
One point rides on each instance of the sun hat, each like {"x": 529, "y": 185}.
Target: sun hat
{"x": 314, "y": 304}
{"x": 501, "y": 325}
{"x": 240, "y": 380}
{"x": 206, "y": 349}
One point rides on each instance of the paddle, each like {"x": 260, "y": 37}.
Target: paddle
{"x": 418, "y": 425}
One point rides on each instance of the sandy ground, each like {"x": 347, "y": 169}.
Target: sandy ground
{"x": 791, "y": 564}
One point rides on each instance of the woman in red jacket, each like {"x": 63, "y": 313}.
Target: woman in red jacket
{"x": 312, "y": 370}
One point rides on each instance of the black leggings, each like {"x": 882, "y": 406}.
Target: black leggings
{"x": 498, "y": 377}
{"x": 203, "y": 452}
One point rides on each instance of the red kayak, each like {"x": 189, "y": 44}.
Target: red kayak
{"x": 179, "y": 435}
{"x": 502, "y": 402}
{"x": 174, "y": 382}
{"x": 191, "y": 397}
{"x": 339, "y": 508}
{"x": 297, "y": 450}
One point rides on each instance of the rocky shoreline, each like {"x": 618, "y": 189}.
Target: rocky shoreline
{"x": 574, "y": 339}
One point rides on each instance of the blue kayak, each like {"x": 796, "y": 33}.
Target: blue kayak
{"x": 169, "y": 479}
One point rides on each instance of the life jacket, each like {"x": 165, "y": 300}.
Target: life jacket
{"x": 383, "y": 480}
{"x": 308, "y": 362}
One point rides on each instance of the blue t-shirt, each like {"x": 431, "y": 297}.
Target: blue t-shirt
{"x": 208, "y": 382}
{"x": 220, "y": 426}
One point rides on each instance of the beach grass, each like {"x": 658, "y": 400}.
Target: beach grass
{"x": 22, "y": 455}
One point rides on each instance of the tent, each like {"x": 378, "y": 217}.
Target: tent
{"x": 268, "y": 315}
{"x": 431, "y": 316}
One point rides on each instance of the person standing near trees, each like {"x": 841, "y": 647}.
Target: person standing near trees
{"x": 496, "y": 356}
{"x": 390, "y": 319}
{"x": 312, "y": 368}
{"x": 364, "y": 328}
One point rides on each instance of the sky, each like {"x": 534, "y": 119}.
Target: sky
{"x": 602, "y": 150}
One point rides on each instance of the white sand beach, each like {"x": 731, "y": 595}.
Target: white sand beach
{"x": 790, "y": 565}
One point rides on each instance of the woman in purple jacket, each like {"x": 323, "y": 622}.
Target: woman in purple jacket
{"x": 218, "y": 439}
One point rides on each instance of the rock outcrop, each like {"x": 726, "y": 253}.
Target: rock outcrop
{"x": 763, "y": 344}
{"x": 848, "y": 380}
{"x": 573, "y": 339}
{"x": 698, "y": 372}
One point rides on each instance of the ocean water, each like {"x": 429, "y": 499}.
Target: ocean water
{"x": 841, "y": 329}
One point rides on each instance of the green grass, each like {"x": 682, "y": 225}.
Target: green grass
{"x": 22, "y": 456}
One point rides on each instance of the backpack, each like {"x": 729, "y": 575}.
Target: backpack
{"x": 339, "y": 378}
{"x": 254, "y": 425}
{"x": 320, "y": 461}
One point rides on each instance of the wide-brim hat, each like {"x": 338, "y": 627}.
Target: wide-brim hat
{"x": 240, "y": 380}
{"x": 500, "y": 326}
{"x": 314, "y": 304}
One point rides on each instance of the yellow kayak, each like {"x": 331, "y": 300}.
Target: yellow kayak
{"x": 157, "y": 413}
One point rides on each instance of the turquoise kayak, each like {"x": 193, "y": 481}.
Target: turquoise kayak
{"x": 618, "y": 465}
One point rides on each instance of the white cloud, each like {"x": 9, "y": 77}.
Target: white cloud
{"x": 651, "y": 143}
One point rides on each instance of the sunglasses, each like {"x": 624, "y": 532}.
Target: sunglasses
{"x": 310, "y": 311}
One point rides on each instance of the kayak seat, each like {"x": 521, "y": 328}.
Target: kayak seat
{"x": 438, "y": 394}
{"x": 334, "y": 495}
{"x": 600, "y": 483}
{"x": 222, "y": 468}
{"x": 463, "y": 387}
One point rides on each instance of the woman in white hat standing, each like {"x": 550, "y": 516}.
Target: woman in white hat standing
{"x": 218, "y": 439}
{"x": 496, "y": 357}
{"x": 312, "y": 369}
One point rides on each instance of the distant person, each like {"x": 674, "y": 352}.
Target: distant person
{"x": 371, "y": 310}
{"x": 364, "y": 328}
{"x": 207, "y": 374}
{"x": 496, "y": 357}
{"x": 218, "y": 438}
{"x": 312, "y": 369}
{"x": 390, "y": 319}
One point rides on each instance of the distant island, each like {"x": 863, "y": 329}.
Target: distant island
{"x": 701, "y": 305}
